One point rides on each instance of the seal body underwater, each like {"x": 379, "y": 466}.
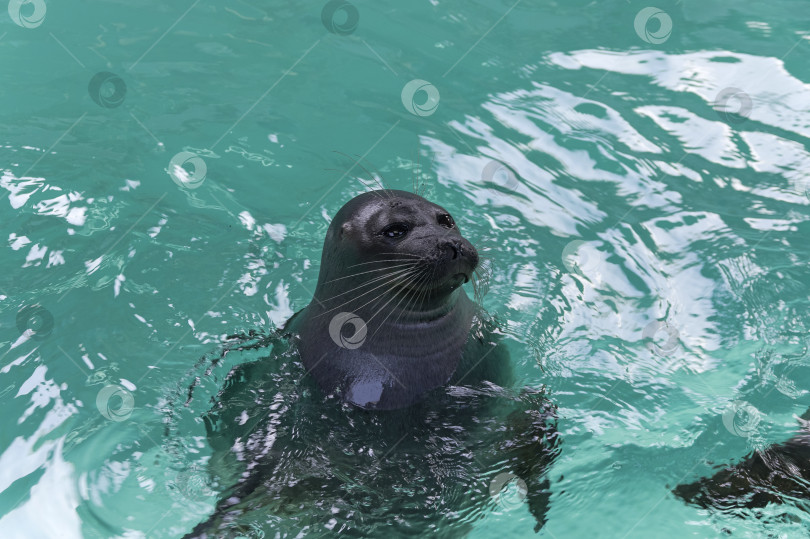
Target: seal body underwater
{"x": 384, "y": 406}
{"x": 777, "y": 474}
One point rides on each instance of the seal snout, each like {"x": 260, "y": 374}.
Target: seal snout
{"x": 456, "y": 249}
{"x": 459, "y": 258}
{"x": 460, "y": 249}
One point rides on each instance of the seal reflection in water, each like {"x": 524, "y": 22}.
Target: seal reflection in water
{"x": 386, "y": 405}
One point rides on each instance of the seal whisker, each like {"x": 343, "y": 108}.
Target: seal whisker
{"x": 380, "y": 261}
{"x": 401, "y": 280}
{"x": 432, "y": 274}
{"x": 370, "y": 189}
{"x": 414, "y": 257}
{"x": 395, "y": 280}
{"x": 359, "y": 164}
{"x": 476, "y": 291}
{"x": 413, "y": 289}
{"x": 398, "y": 273}
{"x": 413, "y": 174}
{"x": 402, "y": 254}
{"x": 415, "y": 274}
{"x": 359, "y": 158}
{"x": 432, "y": 160}
{"x": 424, "y": 293}
{"x": 371, "y": 271}
{"x": 420, "y": 278}
{"x": 382, "y": 180}
{"x": 370, "y": 281}
{"x": 411, "y": 279}
{"x": 480, "y": 280}
{"x": 418, "y": 172}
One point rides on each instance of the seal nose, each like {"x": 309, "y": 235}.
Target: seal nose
{"x": 456, "y": 248}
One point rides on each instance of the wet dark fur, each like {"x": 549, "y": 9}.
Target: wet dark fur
{"x": 776, "y": 474}
{"x": 401, "y": 435}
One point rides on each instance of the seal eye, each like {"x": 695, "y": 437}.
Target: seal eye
{"x": 445, "y": 220}
{"x": 395, "y": 230}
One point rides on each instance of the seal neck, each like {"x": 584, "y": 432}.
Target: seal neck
{"x": 398, "y": 307}
{"x": 385, "y": 357}
{"x": 429, "y": 310}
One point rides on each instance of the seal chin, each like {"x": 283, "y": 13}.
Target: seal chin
{"x": 451, "y": 282}
{"x": 461, "y": 278}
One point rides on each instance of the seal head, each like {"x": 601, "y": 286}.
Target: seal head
{"x": 389, "y": 319}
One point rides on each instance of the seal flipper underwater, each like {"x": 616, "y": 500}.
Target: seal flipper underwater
{"x": 408, "y": 395}
{"x": 772, "y": 475}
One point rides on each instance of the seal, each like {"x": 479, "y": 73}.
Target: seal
{"x": 777, "y": 474}
{"x": 385, "y": 405}
{"x": 389, "y": 319}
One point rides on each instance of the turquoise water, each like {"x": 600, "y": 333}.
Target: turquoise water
{"x": 638, "y": 177}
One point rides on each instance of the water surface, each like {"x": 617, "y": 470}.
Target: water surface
{"x": 641, "y": 188}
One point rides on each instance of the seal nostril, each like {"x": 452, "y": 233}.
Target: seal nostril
{"x": 454, "y": 248}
